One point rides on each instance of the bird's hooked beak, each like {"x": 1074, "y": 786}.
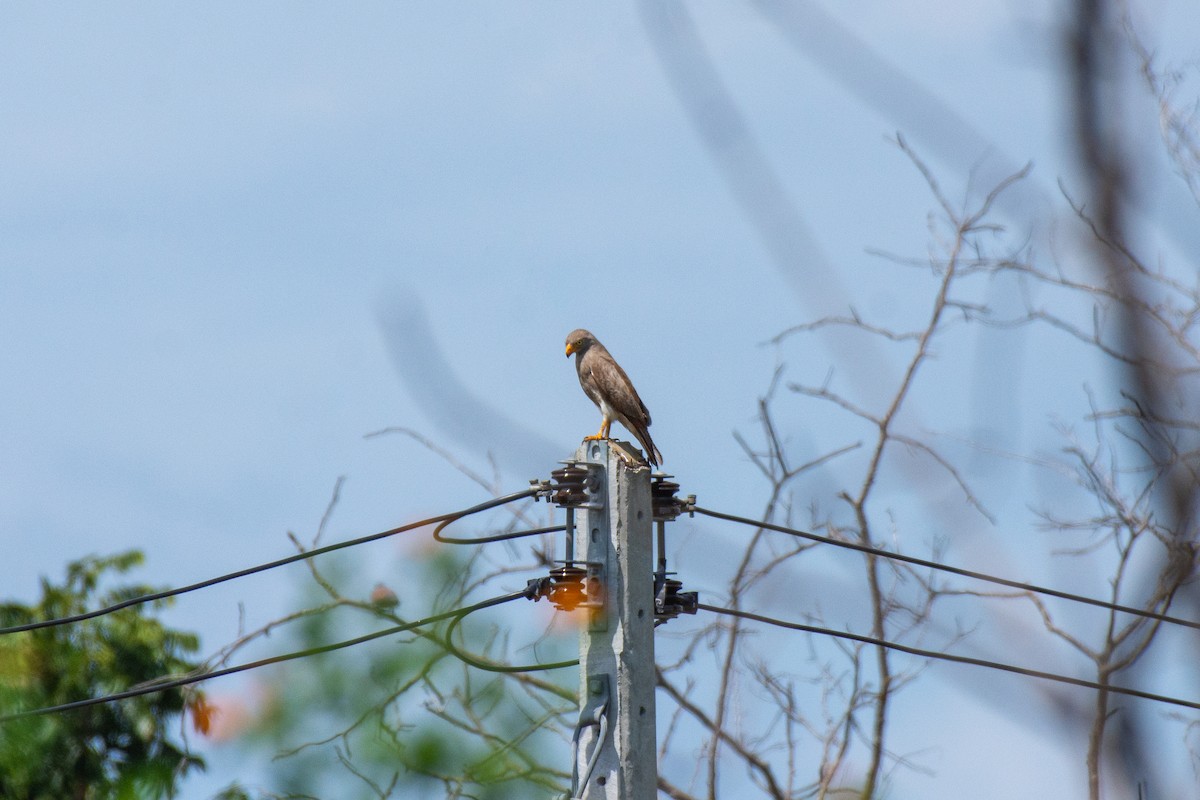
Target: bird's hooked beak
{"x": 570, "y": 348}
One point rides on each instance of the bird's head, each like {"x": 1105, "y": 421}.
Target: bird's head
{"x": 579, "y": 340}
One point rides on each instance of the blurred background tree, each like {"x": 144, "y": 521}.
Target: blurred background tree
{"x": 402, "y": 717}
{"x": 130, "y": 749}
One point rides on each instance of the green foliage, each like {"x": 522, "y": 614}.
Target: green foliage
{"x": 113, "y": 750}
{"x": 401, "y": 717}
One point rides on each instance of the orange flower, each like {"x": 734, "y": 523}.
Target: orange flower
{"x": 202, "y": 712}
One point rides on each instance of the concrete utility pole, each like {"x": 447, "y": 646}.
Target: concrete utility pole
{"x": 616, "y": 661}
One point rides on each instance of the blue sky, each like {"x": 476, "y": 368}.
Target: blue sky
{"x": 231, "y": 233}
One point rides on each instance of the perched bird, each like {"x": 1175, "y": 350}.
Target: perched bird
{"x": 606, "y": 383}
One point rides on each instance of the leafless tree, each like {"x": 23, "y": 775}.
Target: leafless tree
{"x": 783, "y": 716}
{"x": 1134, "y": 320}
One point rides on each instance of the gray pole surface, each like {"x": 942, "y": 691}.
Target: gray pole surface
{"x": 616, "y": 662}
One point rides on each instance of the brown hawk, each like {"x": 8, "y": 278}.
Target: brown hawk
{"x": 606, "y": 383}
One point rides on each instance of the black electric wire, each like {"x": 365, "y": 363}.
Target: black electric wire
{"x": 499, "y": 537}
{"x": 933, "y": 654}
{"x": 966, "y": 573}
{"x": 529, "y": 593}
{"x": 148, "y": 598}
{"x": 175, "y": 683}
{"x": 578, "y": 787}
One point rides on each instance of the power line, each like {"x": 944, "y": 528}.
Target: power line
{"x": 535, "y": 590}
{"x": 499, "y": 537}
{"x": 921, "y": 562}
{"x": 175, "y": 683}
{"x": 153, "y": 596}
{"x": 978, "y": 662}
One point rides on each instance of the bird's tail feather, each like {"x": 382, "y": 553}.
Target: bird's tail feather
{"x": 652, "y": 454}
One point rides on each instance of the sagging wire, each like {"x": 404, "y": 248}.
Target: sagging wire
{"x": 166, "y": 684}
{"x": 567, "y": 586}
{"x": 934, "y": 565}
{"x": 499, "y": 537}
{"x": 535, "y": 590}
{"x": 933, "y": 654}
{"x": 568, "y": 490}
{"x": 599, "y": 720}
{"x": 166, "y": 593}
